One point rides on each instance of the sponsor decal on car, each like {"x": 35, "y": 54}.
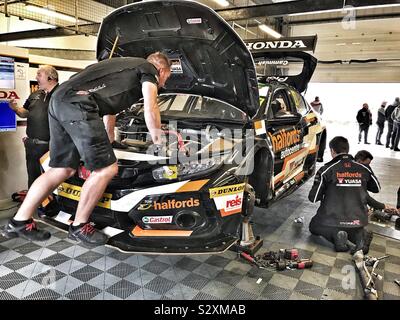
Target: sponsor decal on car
{"x": 227, "y": 190}
{"x": 284, "y": 139}
{"x": 176, "y": 204}
{"x": 194, "y": 21}
{"x": 229, "y": 204}
{"x": 70, "y": 191}
{"x": 145, "y": 205}
{"x": 170, "y": 172}
{"x": 157, "y": 219}
{"x": 235, "y": 203}
{"x": 285, "y": 44}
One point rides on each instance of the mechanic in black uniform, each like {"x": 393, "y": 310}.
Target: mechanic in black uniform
{"x": 341, "y": 185}
{"x": 364, "y": 119}
{"x": 77, "y": 132}
{"x": 35, "y": 109}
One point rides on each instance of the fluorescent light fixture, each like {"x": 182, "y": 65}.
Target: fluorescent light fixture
{"x": 50, "y": 13}
{"x": 223, "y": 3}
{"x": 346, "y": 9}
{"x": 271, "y": 32}
{"x": 341, "y": 44}
{"x": 356, "y": 43}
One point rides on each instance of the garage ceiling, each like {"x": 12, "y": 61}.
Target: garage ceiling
{"x": 373, "y": 34}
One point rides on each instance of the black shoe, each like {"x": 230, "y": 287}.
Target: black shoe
{"x": 387, "y": 146}
{"x": 366, "y": 143}
{"x": 379, "y": 143}
{"x": 341, "y": 242}
{"x": 396, "y": 149}
{"x": 27, "y": 230}
{"x": 86, "y": 233}
{"x": 368, "y": 236}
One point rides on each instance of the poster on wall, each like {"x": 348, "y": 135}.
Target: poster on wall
{"x": 8, "y": 120}
{"x": 7, "y": 76}
{"x": 20, "y": 71}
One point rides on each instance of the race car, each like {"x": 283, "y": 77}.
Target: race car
{"x": 224, "y": 149}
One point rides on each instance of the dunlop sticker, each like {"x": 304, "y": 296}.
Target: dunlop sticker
{"x": 223, "y": 191}
{"x": 70, "y": 191}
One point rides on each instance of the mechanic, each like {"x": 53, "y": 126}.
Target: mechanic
{"x": 35, "y": 109}
{"x": 365, "y": 157}
{"x": 317, "y": 105}
{"x": 388, "y": 114}
{"x": 78, "y": 133}
{"x": 277, "y": 109}
{"x": 396, "y": 128}
{"x": 364, "y": 119}
{"x": 381, "y": 123}
{"x": 341, "y": 185}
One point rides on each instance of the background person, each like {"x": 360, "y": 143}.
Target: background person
{"x": 364, "y": 119}
{"x": 317, "y": 105}
{"x": 388, "y": 114}
{"x": 35, "y": 109}
{"x": 380, "y": 121}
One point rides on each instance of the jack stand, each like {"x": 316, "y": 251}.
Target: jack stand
{"x": 248, "y": 242}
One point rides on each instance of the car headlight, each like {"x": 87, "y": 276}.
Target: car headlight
{"x": 185, "y": 170}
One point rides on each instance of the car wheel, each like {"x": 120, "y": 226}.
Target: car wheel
{"x": 261, "y": 178}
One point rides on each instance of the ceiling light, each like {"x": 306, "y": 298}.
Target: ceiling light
{"x": 356, "y": 43}
{"x": 271, "y": 32}
{"x": 341, "y": 44}
{"x": 223, "y": 3}
{"x": 50, "y": 13}
{"x": 346, "y": 8}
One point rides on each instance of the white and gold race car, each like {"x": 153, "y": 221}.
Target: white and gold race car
{"x": 231, "y": 136}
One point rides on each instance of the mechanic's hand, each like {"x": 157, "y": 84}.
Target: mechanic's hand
{"x": 390, "y": 209}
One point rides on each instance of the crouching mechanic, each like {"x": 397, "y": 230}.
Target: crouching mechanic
{"x": 341, "y": 185}
{"x": 77, "y": 132}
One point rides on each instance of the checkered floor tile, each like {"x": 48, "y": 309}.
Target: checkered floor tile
{"x": 62, "y": 269}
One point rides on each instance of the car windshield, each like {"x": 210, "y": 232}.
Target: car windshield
{"x": 186, "y": 106}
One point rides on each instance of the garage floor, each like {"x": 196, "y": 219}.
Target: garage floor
{"x": 61, "y": 269}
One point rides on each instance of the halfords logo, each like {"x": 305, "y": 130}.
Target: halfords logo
{"x": 223, "y": 191}
{"x": 174, "y": 204}
{"x": 348, "y": 175}
{"x": 160, "y": 219}
{"x": 8, "y": 95}
{"x": 284, "y": 139}
{"x": 283, "y": 44}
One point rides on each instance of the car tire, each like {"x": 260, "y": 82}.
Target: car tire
{"x": 261, "y": 177}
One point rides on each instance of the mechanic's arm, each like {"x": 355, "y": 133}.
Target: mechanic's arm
{"x": 374, "y": 203}
{"x": 373, "y": 183}
{"x": 317, "y": 191}
{"x": 21, "y": 112}
{"x": 151, "y": 111}
{"x": 109, "y": 124}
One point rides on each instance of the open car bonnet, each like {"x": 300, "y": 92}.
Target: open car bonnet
{"x": 208, "y": 57}
{"x": 281, "y": 65}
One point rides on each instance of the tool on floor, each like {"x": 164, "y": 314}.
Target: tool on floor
{"x": 280, "y": 260}
{"x": 371, "y": 282}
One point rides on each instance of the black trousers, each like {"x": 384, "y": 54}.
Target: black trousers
{"x": 398, "y": 198}
{"x": 365, "y": 129}
{"x": 396, "y": 135}
{"x": 355, "y": 235}
{"x": 33, "y": 153}
{"x": 389, "y": 134}
{"x": 379, "y": 133}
